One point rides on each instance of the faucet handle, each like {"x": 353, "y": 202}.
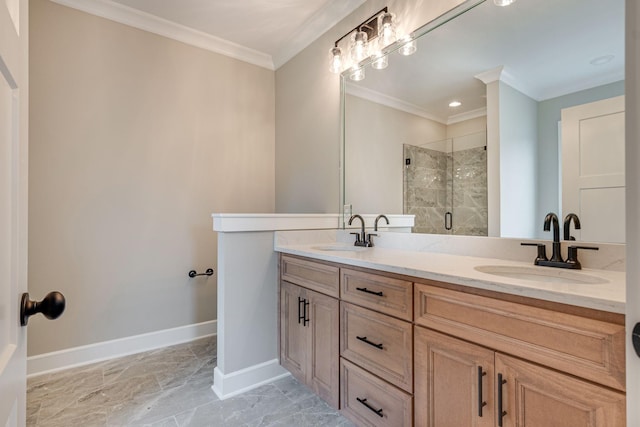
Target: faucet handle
{"x": 573, "y": 255}
{"x": 357, "y": 237}
{"x": 369, "y": 239}
{"x": 542, "y": 251}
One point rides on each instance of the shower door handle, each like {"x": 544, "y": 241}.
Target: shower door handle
{"x": 448, "y": 221}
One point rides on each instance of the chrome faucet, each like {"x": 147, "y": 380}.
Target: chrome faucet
{"x": 361, "y": 238}
{"x": 567, "y": 225}
{"x": 375, "y": 224}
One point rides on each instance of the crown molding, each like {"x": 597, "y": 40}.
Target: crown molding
{"x": 473, "y": 114}
{"x": 389, "y": 101}
{"x": 153, "y": 24}
{"x": 314, "y": 27}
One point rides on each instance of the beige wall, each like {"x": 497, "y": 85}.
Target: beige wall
{"x": 135, "y": 140}
{"x": 374, "y": 153}
{"x": 467, "y": 127}
{"x": 308, "y": 111}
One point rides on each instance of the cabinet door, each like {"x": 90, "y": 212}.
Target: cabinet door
{"x": 454, "y": 382}
{"x": 322, "y": 325}
{"x": 293, "y": 334}
{"x": 534, "y": 396}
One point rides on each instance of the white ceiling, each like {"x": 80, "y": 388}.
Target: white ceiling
{"x": 545, "y": 46}
{"x": 277, "y": 28}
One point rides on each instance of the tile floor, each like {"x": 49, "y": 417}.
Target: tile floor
{"x": 170, "y": 387}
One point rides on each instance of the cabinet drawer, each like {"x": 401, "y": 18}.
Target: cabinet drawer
{"x": 369, "y": 401}
{"x": 385, "y": 294}
{"x": 379, "y": 343}
{"x": 313, "y": 275}
{"x": 588, "y": 348}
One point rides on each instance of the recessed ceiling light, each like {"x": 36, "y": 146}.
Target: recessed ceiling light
{"x": 455, "y": 104}
{"x": 601, "y": 60}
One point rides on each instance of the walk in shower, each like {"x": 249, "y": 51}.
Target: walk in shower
{"x": 445, "y": 185}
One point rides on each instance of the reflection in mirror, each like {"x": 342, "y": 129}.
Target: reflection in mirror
{"x": 517, "y": 71}
{"x": 444, "y": 177}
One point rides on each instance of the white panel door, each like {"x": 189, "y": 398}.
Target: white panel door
{"x": 13, "y": 205}
{"x": 593, "y": 169}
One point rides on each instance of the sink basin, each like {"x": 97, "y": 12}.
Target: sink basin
{"x": 339, "y": 248}
{"x": 542, "y": 274}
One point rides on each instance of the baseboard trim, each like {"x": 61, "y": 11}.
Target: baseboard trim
{"x": 235, "y": 383}
{"x": 92, "y": 353}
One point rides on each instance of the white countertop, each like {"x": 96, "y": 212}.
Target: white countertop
{"x": 460, "y": 270}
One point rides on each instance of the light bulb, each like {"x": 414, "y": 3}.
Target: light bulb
{"x": 409, "y": 47}
{"x": 503, "y": 2}
{"x": 387, "y": 32}
{"x": 359, "y": 46}
{"x": 357, "y": 74}
{"x": 335, "y": 65}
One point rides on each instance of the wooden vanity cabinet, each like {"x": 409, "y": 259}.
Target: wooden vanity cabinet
{"x": 390, "y": 350}
{"x": 309, "y": 337}
{"x": 457, "y": 385}
{"x": 454, "y": 382}
{"x": 535, "y": 396}
{"x": 461, "y": 383}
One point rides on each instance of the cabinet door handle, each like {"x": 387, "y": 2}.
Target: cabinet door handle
{"x": 371, "y": 408}
{"x": 364, "y": 339}
{"x": 300, "y": 313}
{"x": 501, "y": 411}
{"x": 306, "y": 313}
{"x": 380, "y": 294}
{"x": 448, "y": 221}
{"x": 481, "y": 403}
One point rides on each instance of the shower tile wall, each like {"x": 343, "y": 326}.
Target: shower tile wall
{"x": 470, "y": 192}
{"x": 436, "y": 182}
{"x": 425, "y": 188}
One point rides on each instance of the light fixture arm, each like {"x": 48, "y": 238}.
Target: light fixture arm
{"x": 366, "y": 23}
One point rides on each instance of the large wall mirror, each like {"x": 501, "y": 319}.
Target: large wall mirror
{"x": 540, "y": 127}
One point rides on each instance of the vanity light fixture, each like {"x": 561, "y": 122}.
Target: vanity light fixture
{"x": 503, "y": 2}
{"x": 335, "y": 66}
{"x": 367, "y": 39}
{"x": 359, "y": 46}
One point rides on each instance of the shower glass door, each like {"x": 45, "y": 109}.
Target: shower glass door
{"x": 445, "y": 185}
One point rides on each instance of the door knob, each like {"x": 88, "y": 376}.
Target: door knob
{"x": 51, "y": 306}
{"x": 635, "y": 338}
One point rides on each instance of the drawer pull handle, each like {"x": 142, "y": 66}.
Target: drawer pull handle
{"x": 364, "y": 339}
{"x": 501, "y": 412}
{"x": 371, "y": 408}
{"x": 481, "y": 403}
{"x": 305, "y": 320}
{"x": 380, "y": 294}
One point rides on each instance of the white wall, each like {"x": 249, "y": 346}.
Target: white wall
{"x": 308, "y": 111}
{"x": 518, "y": 163}
{"x": 374, "y": 181}
{"x": 135, "y": 140}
